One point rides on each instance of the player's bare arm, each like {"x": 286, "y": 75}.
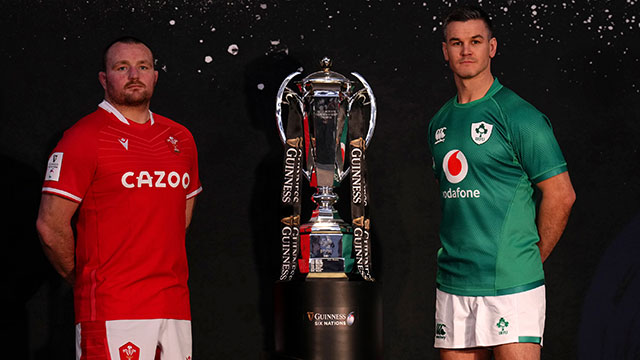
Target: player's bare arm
{"x": 189, "y": 213}
{"x": 56, "y": 233}
{"x": 558, "y": 197}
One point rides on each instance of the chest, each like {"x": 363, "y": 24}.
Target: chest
{"x": 477, "y": 138}
{"x": 153, "y": 159}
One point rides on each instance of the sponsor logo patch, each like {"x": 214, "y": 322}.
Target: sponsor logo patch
{"x": 54, "y": 166}
{"x": 331, "y": 319}
{"x": 455, "y": 166}
{"x": 159, "y": 179}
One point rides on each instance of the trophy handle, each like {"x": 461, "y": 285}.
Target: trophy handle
{"x": 279, "y": 101}
{"x": 372, "y": 100}
{"x": 372, "y": 117}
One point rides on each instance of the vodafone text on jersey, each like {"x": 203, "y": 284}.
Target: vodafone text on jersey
{"x": 455, "y": 169}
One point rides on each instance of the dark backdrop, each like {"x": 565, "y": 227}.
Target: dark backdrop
{"x": 577, "y": 61}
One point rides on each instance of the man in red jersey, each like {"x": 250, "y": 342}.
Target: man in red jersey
{"x": 130, "y": 177}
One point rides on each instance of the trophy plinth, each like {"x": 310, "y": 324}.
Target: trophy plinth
{"x": 328, "y": 319}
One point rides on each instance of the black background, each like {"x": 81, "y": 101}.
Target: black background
{"x": 576, "y": 61}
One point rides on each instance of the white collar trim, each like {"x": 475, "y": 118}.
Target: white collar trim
{"x": 111, "y": 109}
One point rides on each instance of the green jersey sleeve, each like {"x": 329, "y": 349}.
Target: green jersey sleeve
{"x": 532, "y": 138}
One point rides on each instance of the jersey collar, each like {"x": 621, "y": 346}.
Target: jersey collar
{"x": 495, "y": 87}
{"x": 105, "y": 105}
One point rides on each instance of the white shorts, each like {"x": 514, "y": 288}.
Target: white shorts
{"x": 485, "y": 321}
{"x": 133, "y": 339}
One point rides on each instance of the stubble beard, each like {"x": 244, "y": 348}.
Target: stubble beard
{"x": 128, "y": 98}
{"x": 467, "y": 74}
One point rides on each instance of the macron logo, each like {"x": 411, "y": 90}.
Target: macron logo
{"x": 124, "y": 142}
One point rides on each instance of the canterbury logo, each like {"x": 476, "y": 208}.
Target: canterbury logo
{"x": 440, "y": 135}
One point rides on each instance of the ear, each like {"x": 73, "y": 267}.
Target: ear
{"x": 102, "y": 77}
{"x": 493, "y": 47}
{"x": 155, "y": 72}
{"x": 445, "y": 53}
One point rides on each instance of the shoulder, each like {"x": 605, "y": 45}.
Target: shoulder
{"x": 178, "y": 134}
{"x": 514, "y": 108}
{"x": 439, "y": 116}
{"x": 446, "y": 107}
{"x": 176, "y": 126}
{"x": 85, "y": 128}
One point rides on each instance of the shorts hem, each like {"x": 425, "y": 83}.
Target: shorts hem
{"x": 530, "y": 339}
{"x": 519, "y": 341}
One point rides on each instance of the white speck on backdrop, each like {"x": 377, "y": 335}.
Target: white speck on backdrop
{"x": 233, "y": 49}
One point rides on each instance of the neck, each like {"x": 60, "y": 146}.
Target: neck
{"x": 474, "y": 88}
{"x": 138, "y": 114}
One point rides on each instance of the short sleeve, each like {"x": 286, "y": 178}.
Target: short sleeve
{"x": 430, "y": 145}
{"x": 195, "y": 187}
{"x": 71, "y": 166}
{"x": 535, "y": 145}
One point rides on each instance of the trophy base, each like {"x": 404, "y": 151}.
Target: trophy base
{"x": 322, "y": 319}
{"x": 327, "y": 275}
{"x": 326, "y": 265}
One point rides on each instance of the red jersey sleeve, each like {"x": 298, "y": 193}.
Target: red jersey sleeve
{"x": 72, "y": 164}
{"x": 195, "y": 187}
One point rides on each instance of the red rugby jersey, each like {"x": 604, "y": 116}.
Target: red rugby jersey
{"x": 132, "y": 182}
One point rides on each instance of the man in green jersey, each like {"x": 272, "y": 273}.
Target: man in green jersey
{"x": 491, "y": 150}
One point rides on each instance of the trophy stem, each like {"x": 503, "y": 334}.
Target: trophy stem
{"x": 325, "y": 198}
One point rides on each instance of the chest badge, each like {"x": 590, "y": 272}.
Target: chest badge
{"x": 173, "y": 144}
{"x": 480, "y": 132}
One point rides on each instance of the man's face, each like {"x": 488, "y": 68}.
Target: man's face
{"x": 129, "y": 78}
{"x": 469, "y": 48}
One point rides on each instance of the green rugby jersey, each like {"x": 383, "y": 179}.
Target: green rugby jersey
{"x": 487, "y": 154}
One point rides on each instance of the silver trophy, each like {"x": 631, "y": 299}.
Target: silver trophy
{"x": 325, "y": 136}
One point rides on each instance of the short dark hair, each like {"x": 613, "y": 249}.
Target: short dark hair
{"x": 127, "y": 39}
{"x": 465, "y": 13}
